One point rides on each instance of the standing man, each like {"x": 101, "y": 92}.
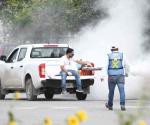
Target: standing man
{"x": 69, "y": 67}
{"x": 117, "y": 70}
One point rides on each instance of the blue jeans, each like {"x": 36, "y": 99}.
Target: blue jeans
{"x": 64, "y": 76}
{"x": 112, "y": 82}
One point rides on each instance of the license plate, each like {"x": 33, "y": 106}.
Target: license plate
{"x": 69, "y": 85}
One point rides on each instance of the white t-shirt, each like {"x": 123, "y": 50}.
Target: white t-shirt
{"x": 69, "y": 64}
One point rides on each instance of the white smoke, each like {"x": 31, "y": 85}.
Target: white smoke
{"x": 1, "y": 32}
{"x": 123, "y": 28}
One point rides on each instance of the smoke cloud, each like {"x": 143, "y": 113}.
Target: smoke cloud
{"x": 1, "y": 32}
{"x": 123, "y": 28}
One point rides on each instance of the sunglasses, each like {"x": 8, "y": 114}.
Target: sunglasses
{"x": 71, "y": 55}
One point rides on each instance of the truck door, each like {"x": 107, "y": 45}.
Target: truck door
{"x": 19, "y": 68}
{"x": 9, "y": 72}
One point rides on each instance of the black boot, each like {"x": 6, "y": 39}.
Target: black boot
{"x": 108, "y": 107}
{"x": 123, "y": 108}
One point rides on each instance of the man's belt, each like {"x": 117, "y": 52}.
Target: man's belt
{"x": 114, "y": 68}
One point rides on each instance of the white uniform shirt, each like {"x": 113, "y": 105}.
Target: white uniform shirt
{"x": 69, "y": 64}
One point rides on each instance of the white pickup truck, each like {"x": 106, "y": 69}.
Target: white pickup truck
{"x": 34, "y": 68}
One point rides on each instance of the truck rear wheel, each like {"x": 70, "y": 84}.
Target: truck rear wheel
{"x": 2, "y": 96}
{"x": 81, "y": 96}
{"x": 31, "y": 96}
{"x": 48, "y": 94}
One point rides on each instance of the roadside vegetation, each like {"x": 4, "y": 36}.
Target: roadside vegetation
{"x": 47, "y": 20}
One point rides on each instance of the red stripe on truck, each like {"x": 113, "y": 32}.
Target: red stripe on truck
{"x": 49, "y": 45}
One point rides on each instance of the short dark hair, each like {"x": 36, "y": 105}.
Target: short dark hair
{"x": 114, "y": 48}
{"x": 69, "y": 50}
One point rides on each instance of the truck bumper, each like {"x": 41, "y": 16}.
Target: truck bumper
{"x": 56, "y": 83}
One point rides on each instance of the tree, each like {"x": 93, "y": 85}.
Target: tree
{"x": 47, "y": 20}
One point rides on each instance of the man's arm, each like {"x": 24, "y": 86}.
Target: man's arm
{"x": 62, "y": 67}
{"x": 83, "y": 62}
{"x": 64, "y": 70}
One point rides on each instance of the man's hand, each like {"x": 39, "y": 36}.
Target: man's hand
{"x": 102, "y": 79}
{"x": 69, "y": 73}
{"x": 126, "y": 75}
{"x": 89, "y": 64}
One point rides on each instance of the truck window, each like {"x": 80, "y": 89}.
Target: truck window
{"x": 22, "y": 54}
{"x": 13, "y": 56}
{"x": 48, "y": 52}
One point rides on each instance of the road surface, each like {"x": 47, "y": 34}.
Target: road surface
{"x": 33, "y": 112}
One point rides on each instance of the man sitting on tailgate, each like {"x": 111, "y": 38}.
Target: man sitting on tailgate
{"x": 68, "y": 67}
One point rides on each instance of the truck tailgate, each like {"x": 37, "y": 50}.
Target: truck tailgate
{"x": 71, "y": 77}
{"x": 52, "y": 68}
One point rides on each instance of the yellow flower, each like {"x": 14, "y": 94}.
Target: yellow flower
{"x": 17, "y": 95}
{"x": 142, "y": 123}
{"x": 12, "y": 123}
{"x": 82, "y": 116}
{"x": 47, "y": 121}
{"x": 72, "y": 120}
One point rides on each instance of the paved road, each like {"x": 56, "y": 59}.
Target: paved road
{"x": 32, "y": 113}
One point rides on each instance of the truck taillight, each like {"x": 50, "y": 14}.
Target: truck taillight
{"x": 42, "y": 70}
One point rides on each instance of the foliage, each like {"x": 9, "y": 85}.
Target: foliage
{"x": 42, "y": 20}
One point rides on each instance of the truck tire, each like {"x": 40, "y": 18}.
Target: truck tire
{"x": 31, "y": 96}
{"x": 48, "y": 94}
{"x": 2, "y": 96}
{"x": 81, "y": 96}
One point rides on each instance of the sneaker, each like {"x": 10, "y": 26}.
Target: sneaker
{"x": 79, "y": 90}
{"x": 64, "y": 92}
{"x": 123, "y": 108}
{"x": 108, "y": 107}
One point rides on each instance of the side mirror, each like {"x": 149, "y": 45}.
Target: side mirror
{"x": 3, "y": 57}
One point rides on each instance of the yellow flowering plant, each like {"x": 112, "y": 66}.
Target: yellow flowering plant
{"x": 17, "y": 95}
{"x": 82, "y": 116}
{"x": 47, "y": 121}
{"x": 12, "y": 123}
{"x": 76, "y": 119}
{"x": 72, "y": 120}
{"x": 142, "y": 122}
{"x": 131, "y": 118}
{"x": 11, "y": 119}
